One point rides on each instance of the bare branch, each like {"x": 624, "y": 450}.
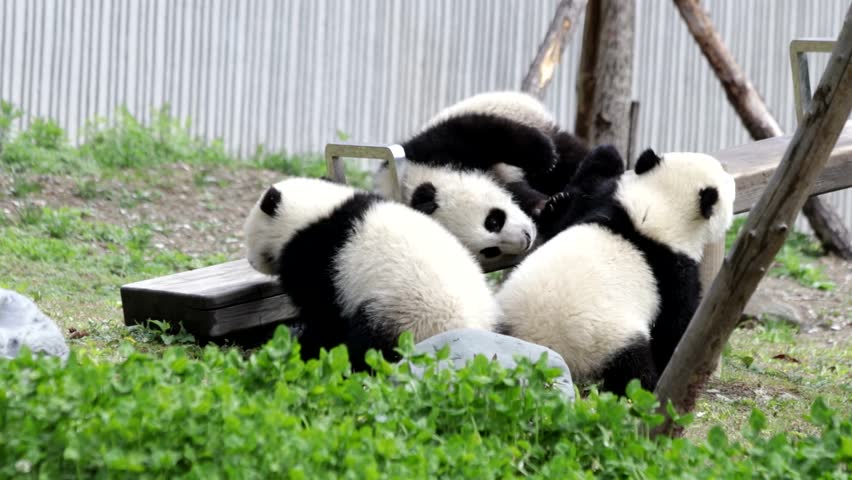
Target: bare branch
{"x": 549, "y": 54}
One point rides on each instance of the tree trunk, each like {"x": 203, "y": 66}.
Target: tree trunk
{"x": 762, "y": 235}
{"x": 586, "y": 70}
{"x": 613, "y": 77}
{"x": 756, "y": 117}
{"x": 549, "y": 54}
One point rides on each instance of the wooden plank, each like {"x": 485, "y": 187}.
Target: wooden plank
{"x": 212, "y": 287}
{"x": 210, "y": 301}
{"x": 217, "y": 300}
{"x": 753, "y": 164}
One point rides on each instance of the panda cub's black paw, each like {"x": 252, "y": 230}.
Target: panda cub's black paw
{"x": 555, "y": 209}
{"x": 557, "y": 203}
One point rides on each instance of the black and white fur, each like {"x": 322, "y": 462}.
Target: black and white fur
{"x": 509, "y": 134}
{"x": 361, "y": 269}
{"x": 471, "y": 205}
{"x": 614, "y": 292}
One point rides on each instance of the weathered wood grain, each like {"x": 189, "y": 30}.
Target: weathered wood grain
{"x": 613, "y": 76}
{"x": 549, "y": 53}
{"x": 753, "y": 164}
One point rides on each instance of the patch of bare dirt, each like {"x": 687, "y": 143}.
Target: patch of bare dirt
{"x": 192, "y": 209}
{"x": 811, "y": 308}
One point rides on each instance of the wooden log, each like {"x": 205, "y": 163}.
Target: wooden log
{"x": 586, "y": 70}
{"x": 825, "y": 220}
{"x": 756, "y": 116}
{"x": 762, "y": 235}
{"x": 613, "y": 77}
{"x": 549, "y": 53}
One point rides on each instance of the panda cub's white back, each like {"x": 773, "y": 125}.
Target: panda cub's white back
{"x": 361, "y": 269}
{"x": 615, "y": 290}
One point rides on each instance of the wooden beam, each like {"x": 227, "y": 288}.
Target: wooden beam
{"x": 549, "y": 53}
{"x": 210, "y": 301}
{"x": 753, "y": 164}
{"x": 763, "y": 234}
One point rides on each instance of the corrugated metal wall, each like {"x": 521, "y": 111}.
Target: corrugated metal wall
{"x": 290, "y": 74}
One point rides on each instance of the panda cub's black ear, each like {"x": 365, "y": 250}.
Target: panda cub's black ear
{"x": 647, "y": 161}
{"x": 270, "y": 202}
{"x": 707, "y": 198}
{"x": 601, "y": 164}
{"x": 424, "y": 198}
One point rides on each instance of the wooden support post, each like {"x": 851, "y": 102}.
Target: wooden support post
{"x": 549, "y": 54}
{"x": 613, "y": 77}
{"x": 586, "y": 70}
{"x": 762, "y": 235}
{"x": 756, "y": 116}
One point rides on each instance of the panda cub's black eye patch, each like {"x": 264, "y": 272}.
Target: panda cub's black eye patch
{"x": 495, "y": 220}
{"x": 270, "y": 202}
{"x": 424, "y": 198}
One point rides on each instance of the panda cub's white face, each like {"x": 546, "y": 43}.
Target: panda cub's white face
{"x": 472, "y": 206}
{"x": 284, "y": 209}
{"x": 682, "y": 199}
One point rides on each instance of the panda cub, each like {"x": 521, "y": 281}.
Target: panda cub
{"x": 509, "y": 135}
{"x": 614, "y": 291}
{"x": 530, "y": 123}
{"x": 361, "y": 270}
{"x": 471, "y": 206}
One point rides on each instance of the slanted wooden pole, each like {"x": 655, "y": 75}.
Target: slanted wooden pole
{"x": 549, "y": 54}
{"x": 763, "y": 233}
{"x": 613, "y": 76}
{"x": 756, "y": 117}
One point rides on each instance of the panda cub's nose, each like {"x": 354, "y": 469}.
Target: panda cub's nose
{"x": 528, "y": 238}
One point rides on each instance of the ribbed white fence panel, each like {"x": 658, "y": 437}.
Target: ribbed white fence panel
{"x": 290, "y": 74}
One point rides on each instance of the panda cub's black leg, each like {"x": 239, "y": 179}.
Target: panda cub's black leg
{"x": 364, "y": 332}
{"x": 633, "y": 361}
{"x": 529, "y": 199}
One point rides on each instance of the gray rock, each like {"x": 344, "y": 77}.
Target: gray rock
{"x": 771, "y": 302}
{"x": 467, "y": 343}
{"x": 22, "y": 323}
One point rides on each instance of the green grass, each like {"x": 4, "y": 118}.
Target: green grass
{"x": 796, "y": 259}
{"x": 74, "y": 265}
{"x": 769, "y": 365}
{"x": 123, "y": 142}
{"x": 273, "y": 415}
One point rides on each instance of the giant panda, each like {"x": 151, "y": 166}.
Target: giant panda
{"x": 509, "y": 135}
{"x": 615, "y": 290}
{"x": 361, "y": 269}
{"x": 471, "y": 206}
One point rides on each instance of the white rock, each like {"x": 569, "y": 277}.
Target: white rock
{"x": 22, "y": 323}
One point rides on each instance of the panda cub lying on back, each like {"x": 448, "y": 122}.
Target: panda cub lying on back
{"x": 361, "y": 270}
{"x": 615, "y": 290}
{"x": 509, "y": 135}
